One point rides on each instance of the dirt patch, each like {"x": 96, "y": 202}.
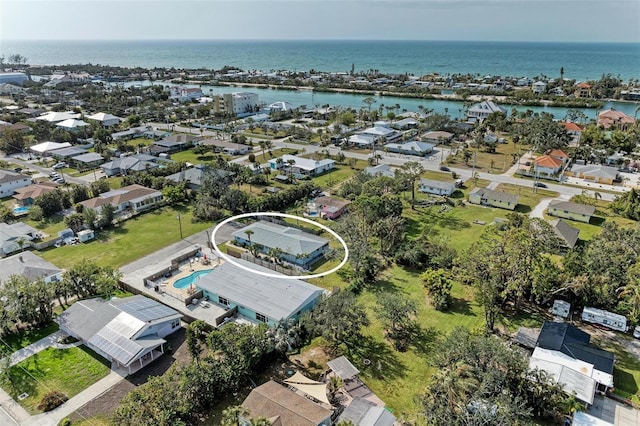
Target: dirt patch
{"x": 105, "y": 404}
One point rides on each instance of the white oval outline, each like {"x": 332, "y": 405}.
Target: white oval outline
{"x": 281, "y": 276}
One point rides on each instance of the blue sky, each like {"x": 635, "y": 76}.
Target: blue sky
{"x": 499, "y": 20}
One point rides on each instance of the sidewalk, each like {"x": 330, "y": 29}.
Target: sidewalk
{"x": 36, "y": 347}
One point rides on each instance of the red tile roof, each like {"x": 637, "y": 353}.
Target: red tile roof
{"x": 558, "y": 153}
{"x": 611, "y": 117}
{"x": 548, "y": 161}
{"x": 572, "y": 127}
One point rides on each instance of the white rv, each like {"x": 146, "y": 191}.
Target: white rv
{"x": 608, "y": 319}
{"x": 561, "y": 308}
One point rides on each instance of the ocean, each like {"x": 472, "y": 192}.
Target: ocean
{"x": 580, "y": 61}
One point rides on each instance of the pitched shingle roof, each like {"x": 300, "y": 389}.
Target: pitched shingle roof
{"x": 567, "y": 232}
{"x": 496, "y": 195}
{"x": 573, "y": 207}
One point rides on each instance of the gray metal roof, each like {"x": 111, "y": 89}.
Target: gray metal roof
{"x": 365, "y": 413}
{"x": 86, "y": 317}
{"x": 437, "y": 184}
{"x": 343, "y": 367}
{"x": 290, "y": 240}
{"x": 274, "y": 297}
{"x": 89, "y": 157}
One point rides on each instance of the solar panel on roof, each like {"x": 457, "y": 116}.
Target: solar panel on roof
{"x": 116, "y": 346}
{"x": 146, "y": 309}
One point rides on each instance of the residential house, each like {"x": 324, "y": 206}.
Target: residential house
{"x": 73, "y": 125}
{"x": 17, "y": 127}
{"x": 10, "y": 181}
{"x": 56, "y": 117}
{"x": 362, "y": 141}
{"x": 362, "y": 412}
{"x": 25, "y": 196}
{"x": 583, "y": 90}
{"x": 479, "y": 112}
{"x": 489, "y": 197}
{"x": 104, "y": 119}
{"x": 128, "y": 165}
{"x": 30, "y": 266}
{"x": 194, "y": 176}
{"x": 31, "y": 112}
{"x": 329, "y": 207}
{"x": 258, "y": 298}
{"x": 410, "y": 148}
{"x": 570, "y": 210}
{"x": 547, "y": 166}
{"x": 15, "y": 237}
{"x": 132, "y": 133}
{"x": 280, "y": 106}
{"x": 617, "y": 119}
{"x": 381, "y": 132}
{"x": 566, "y": 232}
{"x": 66, "y": 153}
{"x": 133, "y": 198}
{"x": 565, "y": 352}
{"x": 437, "y": 138}
{"x": 229, "y": 148}
{"x": 177, "y": 142}
{"x": 405, "y": 124}
{"x": 436, "y": 187}
{"x": 573, "y": 130}
{"x": 302, "y": 166}
{"x": 539, "y": 87}
{"x": 284, "y": 407}
{"x": 594, "y": 172}
{"x": 183, "y": 94}
{"x": 294, "y": 245}
{"x": 87, "y": 161}
{"x": 380, "y": 170}
{"x": 128, "y": 332}
{"x": 43, "y": 149}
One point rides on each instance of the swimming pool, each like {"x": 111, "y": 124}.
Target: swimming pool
{"x": 20, "y": 210}
{"x": 185, "y": 282}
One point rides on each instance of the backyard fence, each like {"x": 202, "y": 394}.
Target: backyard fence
{"x": 269, "y": 265}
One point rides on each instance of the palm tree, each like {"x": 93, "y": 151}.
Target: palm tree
{"x": 231, "y": 416}
{"x": 291, "y": 162}
{"x": 249, "y": 233}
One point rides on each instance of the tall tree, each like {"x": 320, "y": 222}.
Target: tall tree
{"x": 412, "y": 170}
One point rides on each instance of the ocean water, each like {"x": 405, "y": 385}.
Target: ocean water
{"x": 581, "y": 61}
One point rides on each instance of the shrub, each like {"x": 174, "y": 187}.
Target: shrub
{"x": 52, "y": 400}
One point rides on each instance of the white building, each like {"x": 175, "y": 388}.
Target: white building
{"x": 302, "y": 166}
{"x": 436, "y": 187}
{"x": 56, "y": 117}
{"x": 10, "y": 181}
{"x": 478, "y": 112}
{"x": 105, "y": 120}
{"x": 539, "y": 87}
{"x": 235, "y": 103}
{"x": 183, "y": 94}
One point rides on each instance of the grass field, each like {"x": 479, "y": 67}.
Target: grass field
{"x": 626, "y": 371}
{"x": 130, "y": 240}
{"x": 528, "y": 199}
{"x": 497, "y": 162}
{"x": 24, "y": 338}
{"x": 67, "y": 370}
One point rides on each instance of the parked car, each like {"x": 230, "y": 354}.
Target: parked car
{"x": 636, "y": 332}
{"x": 60, "y": 165}
{"x": 59, "y": 180}
{"x": 540, "y": 184}
{"x": 54, "y": 175}
{"x": 444, "y": 169}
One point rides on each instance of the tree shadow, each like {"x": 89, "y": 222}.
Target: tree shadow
{"x": 376, "y": 359}
{"x": 597, "y": 220}
{"x": 423, "y": 339}
{"x": 523, "y": 208}
{"x": 451, "y": 222}
{"x": 460, "y": 306}
{"x": 383, "y": 286}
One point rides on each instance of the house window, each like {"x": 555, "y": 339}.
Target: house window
{"x": 223, "y": 300}
{"x": 261, "y": 317}
{"x": 175, "y": 323}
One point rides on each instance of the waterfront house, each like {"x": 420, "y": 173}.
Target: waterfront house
{"x": 566, "y": 232}
{"x": 133, "y": 198}
{"x": 437, "y": 137}
{"x": 183, "y": 94}
{"x": 128, "y": 332}
{"x": 30, "y": 266}
{"x": 236, "y": 103}
{"x": 294, "y": 245}
{"x": 436, "y": 187}
{"x": 570, "y": 210}
{"x": 10, "y": 181}
{"x": 490, "y": 197}
{"x": 420, "y": 149}
{"x": 15, "y": 237}
{"x": 257, "y": 298}
{"x": 380, "y": 170}
{"x": 284, "y": 407}
{"x": 583, "y": 90}
{"x": 25, "y": 196}
{"x": 616, "y": 119}
{"x": 302, "y": 166}
{"x": 539, "y": 87}
{"x": 596, "y": 173}
{"x": 480, "y": 111}
{"x": 104, "y": 119}
{"x": 405, "y": 124}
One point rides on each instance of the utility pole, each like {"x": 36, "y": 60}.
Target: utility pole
{"x": 180, "y": 224}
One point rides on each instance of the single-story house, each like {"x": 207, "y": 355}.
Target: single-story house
{"x": 128, "y": 332}
{"x": 31, "y": 112}
{"x": 31, "y": 266}
{"x": 566, "y": 232}
{"x": 15, "y": 237}
{"x": 380, "y": 170}
{"x": 329, "y": 207}
{"x": 18, "y": 127}
{"x": 381, "y": 132}
{"x": 490, "y": 197}
{"x": 295, "y": 246}
{"x": 131, "y": 164}
{"x": 478, "y": 112}
{"x": 570, "y": 210}
{"x": 87, "y": 161}
{"x": 134, "y": 198}
{"x": 67, "y": 153}
{"x": 258, "y": 298}
{"x": 436, "y": 187}
{"x": 44, "y": 148}
{"x": 177, "y": 142}
{"x": 410, "y": 148}
{"x": 362, "y": 141}
{"x": 302, "y": 166}
{"x": 284, "y": 407}
{"x": 227, "y": 147}
{"x": 56, "y": 117}
{"x": 26, "y": 195}
{"x": 195, "y": 175}
{"x": 362, "y": 412}
{"x": 10, "y": 181}
{"x": 132, "y": 133}
{"x": 594, "y": 172}
{"x": 72, "y": 125}
{"x": 105, "y": 119}
{"x": 564, "y": 350}
{"x": 405, "y": 123}
{"x": 437, "y": 137}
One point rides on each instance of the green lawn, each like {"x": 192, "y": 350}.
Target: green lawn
{"x": 67, "y": 370}
{"x": 528, "y": 199}
{"x": 496, "y": 162}
{"x": 131, "y": 240}
{"x": 626, "y": 371}
{"x": 26, "y": 337}
{"x": 51, "y": 226}
{"x": 190, "y": 157}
